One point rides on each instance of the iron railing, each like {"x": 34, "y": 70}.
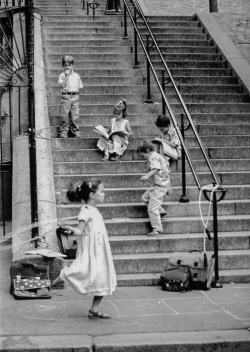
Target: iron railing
{"x": 217, "y": 187}
{"x": 17, "y": 88}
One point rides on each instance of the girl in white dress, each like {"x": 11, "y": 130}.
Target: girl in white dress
{"x": 117, "y": 144}
{"x": 92, "y": 272}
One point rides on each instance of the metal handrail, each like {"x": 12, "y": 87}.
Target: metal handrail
{"x": 216, "y": 180}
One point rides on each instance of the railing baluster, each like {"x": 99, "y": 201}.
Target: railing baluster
{"x": 136, "y": 65}
{"x": 149, "y": 97}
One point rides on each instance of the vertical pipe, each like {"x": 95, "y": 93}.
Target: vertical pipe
{"x": 31, "y": 118}
{"x": 163, "y": 88}
{"x": 19, "y": 111}
{"x": 136, "y": 65}
{"x": 184, "y": 198}
{"x": 125, "y": 23}
{"x": 149, "y": 97}
{"x": 215, "y": 229}
{"x": 1, "y": 165}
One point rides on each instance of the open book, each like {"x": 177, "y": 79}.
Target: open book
{"x": 102, "y": 131}
{"x": 166, "y": 149}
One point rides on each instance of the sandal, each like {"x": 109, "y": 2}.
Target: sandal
{"x": 98, "y": 315}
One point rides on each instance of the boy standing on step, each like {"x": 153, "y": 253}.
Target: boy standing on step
{"x": 70, "y": 83}
{"x": 158, "y": 175}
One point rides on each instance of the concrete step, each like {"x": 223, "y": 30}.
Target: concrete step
{"x": 208, "y": 142}
{"x": 134, "y": 194}
{"x": 131, "y": 154}
{"x": 156, "y": 108}
{"x": 225, "y": 276}
{"x": 69, "y": 168}
{"x": 135, "y": 119}
{"x": 203, "y": 130}
{"x": 138, "y": 210}
{"x": 101, "y": 28}
{"x": 118, "y": 41}
{"x": 133, "y": 179}
{"x": 173, "y": 225}
{"x": 77, "y": 51}
{"x": 187, "y": 88}
{"x": 177, "y": 243}
{"x": 118, "y": 35}
{"x": 172, "y": 98}
{"x": 157, "y": 262}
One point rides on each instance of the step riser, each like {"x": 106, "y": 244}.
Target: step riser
{"x": 95, "y": 155}
{"x": 211, "y": 119}
{"x": 140, "y": 211}
{"x": 154, "y": 280}
{"x": 112, "y": 181}
{"x": 130, "y": 196}
{"x": 156, "y": 265}
{"x": 209, "y": 141}
{"x": 140, "y": 98}
{"x": 156, "y": 108}
{"x": 172, "y": 245}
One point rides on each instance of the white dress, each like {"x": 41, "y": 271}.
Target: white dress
{"x": 92, "y": 272}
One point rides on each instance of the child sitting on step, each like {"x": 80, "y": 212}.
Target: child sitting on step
{"x": 115, "y": 146}
{"x": 158, "y": 175}
{"x": 70, "y": 83}
{"x": 92, "y": 272}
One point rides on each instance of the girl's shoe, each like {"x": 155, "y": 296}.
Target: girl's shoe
{"x": 154, "y": 233}
{"x": 115, "y": 158}
{"x": 163, "y": 215}
{"x": 105, "y": 158}
{"x": 98, "y": 315}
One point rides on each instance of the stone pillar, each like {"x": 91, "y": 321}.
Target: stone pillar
{"x": 47, "y": 215}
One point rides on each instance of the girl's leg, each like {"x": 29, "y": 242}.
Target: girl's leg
{"x": 94, "y": 311}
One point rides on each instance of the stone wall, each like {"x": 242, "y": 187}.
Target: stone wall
{"x": 233, "y": 16}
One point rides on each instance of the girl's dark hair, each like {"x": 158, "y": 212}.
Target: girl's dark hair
{"x": 145, "y": 146}
{"x": 162, "y": 121}
{"x": 67, "y": 58}
{"x": 82, "y": 191}
{"x": 124, "y": 111}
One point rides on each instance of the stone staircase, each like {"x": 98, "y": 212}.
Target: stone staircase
{"x": 216, "y": 101}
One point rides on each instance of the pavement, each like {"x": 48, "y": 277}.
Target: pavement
{"x": 143, "y": 319}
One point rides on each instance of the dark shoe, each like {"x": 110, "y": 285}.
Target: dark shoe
{"x": 77, "y": 135}
{"x": 163, "y": 215}
{"x": 98, "y": 315}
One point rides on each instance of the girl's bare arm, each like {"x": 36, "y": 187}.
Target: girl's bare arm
{"x": 77, "y": 231}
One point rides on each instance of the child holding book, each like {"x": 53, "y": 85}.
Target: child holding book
{"x": 169, "y": 137}
{"x": 158, "y": 175}
{"x": 115, "y": 145}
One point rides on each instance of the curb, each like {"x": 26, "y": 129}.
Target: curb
{"x": 206, "y": 341}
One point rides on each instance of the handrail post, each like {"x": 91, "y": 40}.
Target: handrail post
{"x": 216, "y": 283}
{"x": 1, "y": 165}
{"x": 149, "y": 96}
{"x": 184, "y": 198}
{"x": 163, "y": 88}
{"x": 125, "y": 23}
{"x": 136, "y": 65}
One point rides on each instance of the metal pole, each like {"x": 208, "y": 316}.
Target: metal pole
{"x": 163, "y": 88}
{"x": 1, "y": 165}
{"x": 184, "y": 198}
{"x": 31, "y": 119}
{"x": 216, "y": 283}
{"x": 125, "y": 23}
{"x": 136, "y": 65}
{"x": 149, "y": 97}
